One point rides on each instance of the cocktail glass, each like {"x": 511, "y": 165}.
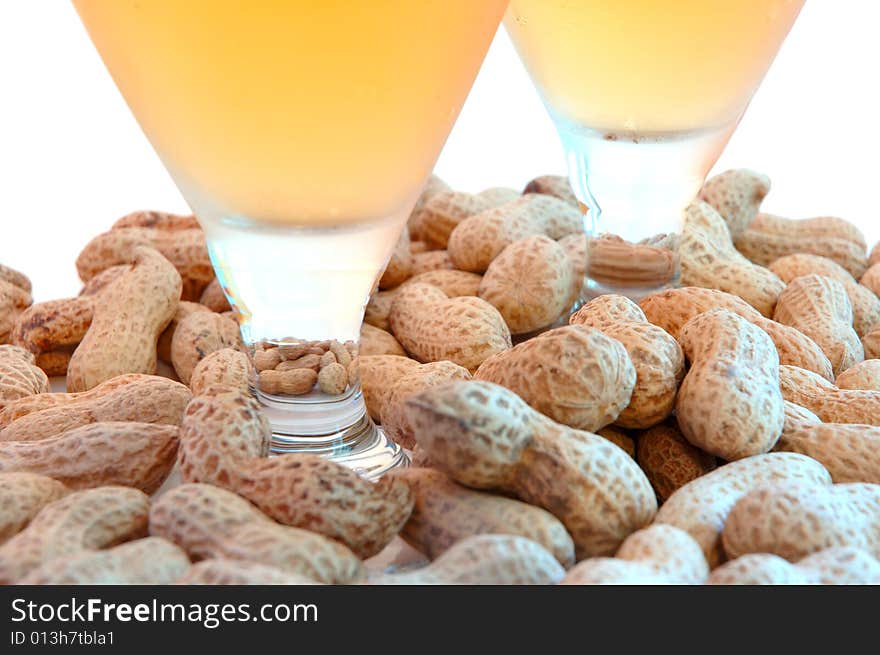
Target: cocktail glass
{"x": 645, "y": 95}
{"x": 300, "y": 133}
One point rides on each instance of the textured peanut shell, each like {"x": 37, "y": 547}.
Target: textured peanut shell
{"x": 433, "y": 327}
{"x": 378, "y": 375}
{"x": 433, "y": 186}
{"x": 530, "y": 282}
{"x": 15, "y": 278}
{"x": 22, "y": 496}
{"x": 393, "y": 416}
{"x": 792, "y": 519}
{"x": 375, "y": 341}
{"x": 850, "y": 452}
{"x": 224, "y": 441}
{"x": 142, "y": 398}
{"x": 837, "y": 565}
{"x": 224, "y": 571}
{"x": 656, "y": 356}
{"x": 431, "y": 260}
{"x": 442, "y": 212}
{"x": 575, "y": 375}
{"x": 701, "y": 506}
{"x": 871, "y": 279}
{"x": 127, "y": 321}
{"x": 214, "y": 298}
{"x": 553, "y": 185}
{"x": 184, "y": 309}
{"x": 209, "y": 522}
{"x": 446, "y": 512}
{"x": 54, "y": 324}
{"x": 669, "y": 461}
{"x": 19, "y": 376}
{"x": 487, "y": 559}
{"x": 729, "y": 404}
{"x": 158, "y": 220}
{"x": 865, "y": 303}
{"x": 83, "y": 520}
{"x": 148, "y": 561}
{"x": 672, "y": 308}
{"x": 575, "y": 247}
{"x": 871, "y": 343}
{"x": 818, "y": 228}
{"x": 874, "y": 257}
{"x": 227, "y": 367}
{"x": 185, "y": 249}
{"x": 736, "y": 195}
{"x": 13, "y": 301}
{"x": 708, "y": 259}
{"x": 620, "y": 439}
{"x": 864, "y": 376}
{"x": 399, "y": 266}
{"x": 830, "y": 404}
{"x": 139, "y": 455}
{"x": 484, "y": 436}
{"x": 452, "y": 282}
{"x": 197, "y": 336}
{"x": 478, "y": 239}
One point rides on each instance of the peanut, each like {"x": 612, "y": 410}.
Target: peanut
{"x": 333, "y": 379}
{"x": 19, "y": 375}
{"x": 530, "y": 282}
{"x": 478, "y": 239}
{"x": 15, "y": 297}
{"x": 22, "y": 496}
{"x": 222, "y": 571}
{"x": 209, "y": 522}
{"x": 15, "y": 278}
{"x": 619, "y": 439}
{"x": 55, "y": 325}
{"x": 82, "y": 521}
{"x": 736, "y": 195}
{"x": 669, "y": 461}
{"x": 442, "y": 212}
{"x": 433, "y": 327}
{"x": 399, "y": 266}
{"x": 433, "y": 186}
{"x": 871, "y": 343}
{"x": 553, "y": 185}
{"x": 575, "y": 375}
{"x": 863, "y": 376}
{"x": 575, "y": 247}
{"x": 184, "y": 309}
{"x": 837, "y": 565}
{"x": 483, "y": 436}
{"x": 656, "y": 356}
{"x": 486, "y": 559}
{"x": 658, "y": 554}
{"x": 158, "y": 220}
{"x": 311, "y": 361}
{"x": 185, "y": 249}
{"x": 197, "y": 336}
{"x": 874, "y": 257}
{"x": 672, "y": 308}
{"x": 292, "y": 382}
{"x": 871, "y": 279}
{"x": 431, "y": 260}
{"x": 148, "y": 561}
{"x": 102, "y": 280}
{"x": 226, "y": 367}
{"x": 138, "y": 455}
{"x": 224, "y": 440}
{"x": 701, "y": 507}
{"x": 378, "y": 374}
{"x": 375, "y": 341}
{"x": 865, "y": 303}
{"x": 265, "y": 360}
{"x": 729, "y": 404}
{"x": 830, "y": 404}
{"x": 452, "y": 283}
{"x": 214, "y": 298}
{"x": 426, "y": 376}
{"x": 142, "y": 398}
{"x": 445, "y": 513}
{"x": 794, "y": 519}
{"x": 708, "y": 259}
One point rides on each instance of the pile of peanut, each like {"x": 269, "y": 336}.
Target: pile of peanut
{"x": 723, "y": 430}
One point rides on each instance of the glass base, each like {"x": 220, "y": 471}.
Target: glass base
{"x": 335, "y": 427}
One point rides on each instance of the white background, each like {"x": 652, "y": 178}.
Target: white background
{"x": 72, "y": 159}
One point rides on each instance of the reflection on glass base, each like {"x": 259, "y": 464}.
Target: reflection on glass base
{"x": 595, "y": 288}
{"x": 333, "y": 427}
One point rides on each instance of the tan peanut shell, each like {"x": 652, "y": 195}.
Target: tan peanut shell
{"x": 830, "y": 404}
{"x": 375, "y": 341}
{"x": 15, "y": 297}
{"x": 224, "y": 571}
{"x": 850, "y": 452}
{"x": 820, "y": 228}
{"x": 399, "y": 266}
{"x": 446, "y": 512}
{"x": 148, "y": 561}
{"x": 729, "y": 404}
{"x": 575, "y": 247}
{"x": 431, "y": 260}
{"x": 553, "y": 185}
{"x": 863, "y": 376}
{"x": 209, "y": 522}
{"x": 574, "y": 374}
{"x": 15, "y": 278}
{"x": 226, "y": 367}
{"x": 139, "y": 455}
{"x": 393, "y": 415}
{"x": 486, "y": 559}
{"x": 736, "y": 195}
{"x": 793, "y": 519}
{"x": 442, "y": 212}
{"x": 669, "y": 461}
{"x": 142, "y": 398}
{"x": 874, "y": 256}
{"x": 871, "y": 343}
{"x": 708, "y": 259}
{"x": 836, "y": 565}
{"x": 531, "y": 282}
{"x": 54, "y": 324}
{"x": 672, "y": 308}
{"x": 484, "y": 436}
{"x": 620, "y": 439}
{"x": 865, "y": 303}
{"x": 498, "y": 195}
{"x": 701, "y": 506}
{"x": 214, "y": 298}
{"x": 224, "y": 441}
{"x": 102, "y": 280}
{"x": 197, "y": 336}
{"x": 158, "y": 220}
{"x": 22, "y": 496}
{"x": 378, "y": 375}
{"x": 127, "y": 321}
{"x": 433, "y": 186}
{"x": 185, "y": 249}
{"x": 657, "y": 554}
{"x": 656, "y": 356}
{"x": 871, "y": 279}
{"x": 478, "y": 239}
{"x": 19, "y": 375}
{"x": 433, "y": 327}
{"x": 184, "y": 309}
{"x": 81, "y": 521}
{"x": 453, "y": 283}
